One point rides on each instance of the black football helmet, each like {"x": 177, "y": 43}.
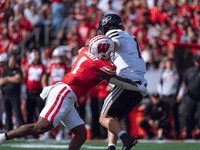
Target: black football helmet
{"x": 110, "y": 21}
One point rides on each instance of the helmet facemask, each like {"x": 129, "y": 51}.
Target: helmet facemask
{"x": 107, "y": 56}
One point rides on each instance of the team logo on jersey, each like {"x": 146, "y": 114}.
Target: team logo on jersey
{"x": 105, "y": 20}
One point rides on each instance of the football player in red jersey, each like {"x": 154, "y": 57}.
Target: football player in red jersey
{"x": 91, "y": 67}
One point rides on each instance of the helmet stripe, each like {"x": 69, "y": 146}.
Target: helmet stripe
{"x": 96, "y": 39}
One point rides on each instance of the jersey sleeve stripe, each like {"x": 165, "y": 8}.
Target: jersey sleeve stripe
{"x": 109, "y": 69}
{"x": 108, "y": 72}
{"x": 112, "y": 33}
{"x": 114, "y": 36}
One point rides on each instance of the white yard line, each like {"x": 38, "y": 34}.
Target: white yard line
{"x": 90, "y": 147}
{"x": 40, "y": 146}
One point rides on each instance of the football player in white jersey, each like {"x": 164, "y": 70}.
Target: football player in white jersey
{"x": 130, "y": 64}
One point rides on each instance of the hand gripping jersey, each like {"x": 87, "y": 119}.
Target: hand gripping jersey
{"x": 128, "y": 59}
{"x": 84, "y": 72}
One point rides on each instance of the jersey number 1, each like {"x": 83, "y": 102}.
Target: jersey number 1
{"x": 138, "y": 48}
{"x": 78, "y": 64}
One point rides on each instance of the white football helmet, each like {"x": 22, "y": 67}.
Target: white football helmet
{"x": 58, "y": 52}
{"x": 59, "y": 55}
{"x": 102, "y": 47}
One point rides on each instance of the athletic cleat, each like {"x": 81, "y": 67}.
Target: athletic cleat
{"x": 2, "y": 138}
{"x": 111, "y": 148}
{"x": 129, "y": 143}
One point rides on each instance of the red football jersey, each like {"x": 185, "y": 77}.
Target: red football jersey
{"x": 84, "y": 72}
{"x": 34, "y": 75}
{"x": 57, "y": 72}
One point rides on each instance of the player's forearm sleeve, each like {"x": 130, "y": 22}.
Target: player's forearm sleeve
{"x": 124, "y": 85}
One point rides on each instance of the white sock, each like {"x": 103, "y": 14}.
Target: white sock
{"x": 3, "y": 137}
{"x": 120, "y": 133}
{"x": 60, "y": 131}
{"x": 112, "y": 145}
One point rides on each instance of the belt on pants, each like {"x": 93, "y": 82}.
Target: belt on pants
{"x": 171, "y": 95}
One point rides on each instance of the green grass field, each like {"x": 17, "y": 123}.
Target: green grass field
{"x": 99, "y": 145}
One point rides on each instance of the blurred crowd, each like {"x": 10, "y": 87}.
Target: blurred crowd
{"x": 157, "y": 25}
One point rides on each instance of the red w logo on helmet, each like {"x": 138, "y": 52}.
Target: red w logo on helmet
{"x": 103, "y": 47}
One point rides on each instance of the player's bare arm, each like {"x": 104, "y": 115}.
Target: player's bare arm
{"x": 114, "y": 79}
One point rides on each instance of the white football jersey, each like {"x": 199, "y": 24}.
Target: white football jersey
{"x": 128, "y": 58}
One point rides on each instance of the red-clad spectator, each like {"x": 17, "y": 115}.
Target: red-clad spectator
{"x": 3, "y": 8}
{"x": 27, "y": 59}
{"x": 141, "y": 34}
{"x": 6, "y": 43}
{"x": 2, "y": 16}
{"x": 47, "y": 57}
{"x": 157, "y": 15}
{"x": 140, "y": 11}
{"x": 26, "y": 26}
{"x": 58, "y": 68}
{"x": 137, "y": 29}
{"x": 3, "y": 61}
{"x": 25, "y": 62}
{"x": 141, "y": 40}
{"x": 92, "y": 14}
{"x": 96, "y": 21}
{"x": 35, "y": 73}
{"x": 15, "y": 32}
{"x": 170, "y": 43}
{"x": 104, "y": 89}
{"x": 83, "y": 31}
{"x": 57, "y": 71}
{"x": 196, "y": 20}
{"x": 35, "y": 70}
{"x": 184, "y": 10}
{"x": 178, "y": 27}
{"x": 2, "y": 4}
{"x": 80, "y": 10}
{"x": 73, "y": 40}
{"x": 195, "y": 5}
{"x": 153, "y": 13}
{"x": 92, "y": 34}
